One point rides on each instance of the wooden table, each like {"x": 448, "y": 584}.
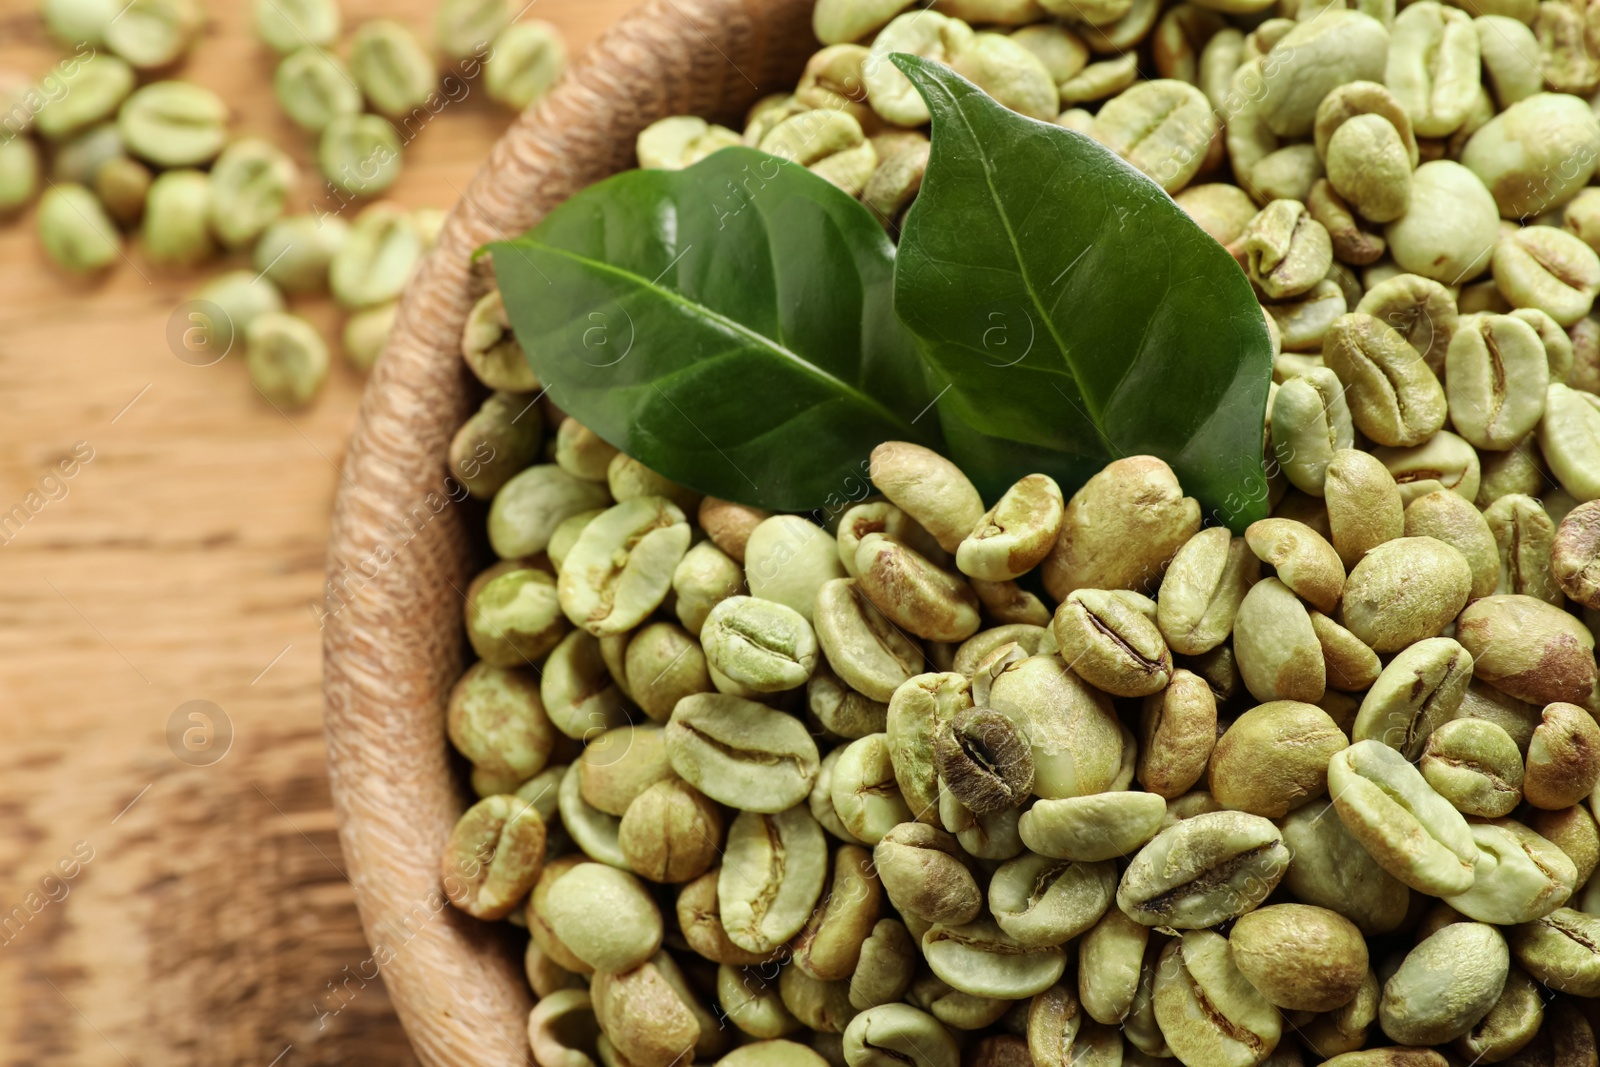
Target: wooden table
{"x": 204, "y": 917}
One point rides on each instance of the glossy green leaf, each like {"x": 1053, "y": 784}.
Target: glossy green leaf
{"x": 730, "y": 325}
{"x": 1074, "y": 309}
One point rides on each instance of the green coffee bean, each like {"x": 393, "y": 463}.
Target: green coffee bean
{"x": 1575, "y": 555}
{"x": 1209, "y": 1012}
{"x": 366, "y": 334}
{"x": 391, "y": 66}
{"x": 773, "y": 873}
{"x": 374, "y": 263}
{"x": 81, "y": 157}
{"x": 1405, "y": 590}
{"x": 1310, "y": 422}
{"x": 758, "y": 645}
{"x": 74, "y": 22}
{"x": 177, "y": 218}
{"x": 496, "y": 719}
{"x": 980, "y": 958}
{"x": 889, "y": 91}
{"x": 627, "y": 478}
{"x": 1016, "y": 534}
{"x": 1443, "y": 462}
{"x": 741, "y": 753}
{"x": 1369, "y": 167}
{"x": 1302, "y": 559}
{"x": 926, "y": 875}
{"x": 287, "y": 25}
{"x": 1288, "y": 250}
{"x": 1433, "y": 67}
{"x": 527, "y": 59}
{"x": 1529, "y": 649}
{"x": 493, "y": 857}
{"x": 581, "y": 452}
{"x": 1300, "y": 957}
{"x": 861, "y": 786}
{"x": 1313, "y": 58}
{"x": 644, "y": 1015}
{"x": 294, "y": 252}
{"x": 359, "y": 154}
{"x": 1204, "y": 870}
{"x": 1562, "y": 950}
{"x": 464, "y": 28}
{"x": 1417, "y": 692}
{"x": 863, "y": 647}
{"x": 1093, "y": 828}
{"x": 1475, "y": 765}
{"x": 249, "y": 184}
{"x": 1278, "y": 653}
{"x": 1568, "y": 436}
{"x": 678, "y": 141}
{"x": 753, "y": 1005}
{"x": 19, "y": 174}
{"x": 704, "y": 578}
{"x": 92, "y": 90}
{"x": 1547, "y": 268}
{"x": 1221, "y": 210}
{"x": 123, "y": 186}
{"x": 314, "y": 87}
{"x": 1108, "y": 541}
{"x": 1450, "y": 225}
{"x": 1041, "y": 901}
{"x": 1563, "y": 761}
{"x": 885, "y": 968}
{"x": 1352, "y": 666}
{"x": 1331, "y": 869}
{"x": 174, "y": 124}
{"x": 1162, "y": 127}
{"x": 898, "y": 1034}
{"x": 515, "y": 619}
{"x": 286, "y": 357}
{"x": 241, "y": 295}
{"x": 1498, "y": 374}
{"x": 1519, "y": 154}
{"x": 1111, "y": 645}
{"x": 1074, "y": 737}
{"x": 529, "y": 507}
{"x": 788, "y": 559}
{"x": 1394, "y": 398}
{"x": 1274, "y": 758}
{"x": 75, "y": 231}
{"x": 1420, "y": 309}
{"x": 1520, "y": 876}
{"x": 1445, "y": 985}
{"x": 1515, "y": 1018}
{"x": 1411, "y": 831}
{"x": 604, "y": 916}
{"x": 154, "y": 33}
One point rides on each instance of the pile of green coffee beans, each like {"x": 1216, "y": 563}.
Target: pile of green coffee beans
{"x": 132, "y": 150}
{"x": 843, "y": 787}
{"x": 914, "y": 780}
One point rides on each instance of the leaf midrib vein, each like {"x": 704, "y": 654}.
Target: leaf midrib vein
{"x": 1022, "y": 271}
{"x": 736, "y": 328}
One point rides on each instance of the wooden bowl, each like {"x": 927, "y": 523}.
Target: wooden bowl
{"x": 401, "y": 551}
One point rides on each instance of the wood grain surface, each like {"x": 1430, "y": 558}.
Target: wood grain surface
{"x": 164, "y": 904}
